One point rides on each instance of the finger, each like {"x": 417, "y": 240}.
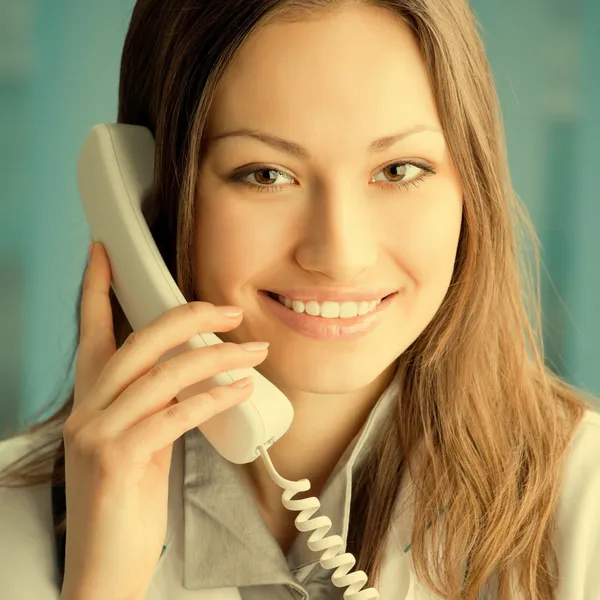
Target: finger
{"x": 96, "y": 339}
{"x": 143, "y": 348}
{"x": 153, "y": 391}
{"x": 162, "y": 429}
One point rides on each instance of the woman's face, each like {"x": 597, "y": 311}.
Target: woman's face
{"x": 338, "y": 216}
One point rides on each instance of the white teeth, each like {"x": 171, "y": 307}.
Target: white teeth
{"x": 329, "y": 310}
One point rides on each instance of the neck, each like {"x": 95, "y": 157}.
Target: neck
{"x": 322, "y": 429}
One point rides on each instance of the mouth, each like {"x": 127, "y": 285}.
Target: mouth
{"x": 328, "y": 309}
{"x": 328, "y": 321}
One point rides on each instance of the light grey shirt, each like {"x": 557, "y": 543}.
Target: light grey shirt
{"x": 227, "y": 543}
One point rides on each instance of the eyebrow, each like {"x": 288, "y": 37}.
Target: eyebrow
{"x": 297, "y": 150}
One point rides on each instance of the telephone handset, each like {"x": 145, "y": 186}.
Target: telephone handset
{"x": 115, "y": 174}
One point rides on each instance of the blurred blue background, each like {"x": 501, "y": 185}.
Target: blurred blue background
{"x": 59, "y": 64}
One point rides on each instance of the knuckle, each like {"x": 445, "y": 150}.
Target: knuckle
{"x": 229, "y": 348}
{"x": 107, "y": 459}
{"x": 87, "y": 284}
{"x": 160, "y": 370}
{"x": 93, "y": 446}
{"x": 225, "y": 352}
{"x": 86, "y": 337}
{"x": 98, "y": 451}
{"x": 82, "y": 442}
{"x": 139, "y": 337}
{"x": 178, "y": 412}
{"x": 197, "y": 308}
{"x": 70, "y": 428}
{"x": 187, "y": 411}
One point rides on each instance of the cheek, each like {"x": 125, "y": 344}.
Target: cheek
{"x": 426, "y": 241}
{"x": 232, "y": 248}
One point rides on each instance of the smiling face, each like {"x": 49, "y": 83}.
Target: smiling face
{"x": 331, "y": 211}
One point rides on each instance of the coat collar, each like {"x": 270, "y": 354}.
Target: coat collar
{"x": 227, "y": 543}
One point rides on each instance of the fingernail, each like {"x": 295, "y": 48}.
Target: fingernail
{"x": 254, "y": 346}
{"x": 90, "y": 251}
{"x": 230, "y": 311}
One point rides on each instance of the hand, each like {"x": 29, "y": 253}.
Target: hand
{"x": 119, "y": 436}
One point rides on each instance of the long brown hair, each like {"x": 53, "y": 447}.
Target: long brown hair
{"x": 476, "y": 397}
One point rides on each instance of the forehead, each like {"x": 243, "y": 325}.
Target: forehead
{"x": 349, "y": 75}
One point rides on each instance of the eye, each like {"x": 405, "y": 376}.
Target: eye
{"x": 400, "y": 172}
{"x": 265, "y": 176}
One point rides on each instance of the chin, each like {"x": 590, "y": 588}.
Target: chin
{"x": 326, "y": 377}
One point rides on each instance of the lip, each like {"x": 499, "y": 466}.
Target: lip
{"x": 334, "y": 295}
{"x": 321, "y": 328}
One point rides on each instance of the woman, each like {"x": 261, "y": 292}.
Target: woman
{"x": 374, "y": 129}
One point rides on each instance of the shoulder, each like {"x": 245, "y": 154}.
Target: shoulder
{"x": 590, "y": 424}
{"x": 11, "y": 449}
{"x": 581, "y": 467}
{"x": 577, "y": 540}
{"x": 27, "y": 551}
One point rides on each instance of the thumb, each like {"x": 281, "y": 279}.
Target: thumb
{"x": 96, "y": 337}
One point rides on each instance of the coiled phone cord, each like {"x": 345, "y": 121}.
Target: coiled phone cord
{"x": 331, "y": 545}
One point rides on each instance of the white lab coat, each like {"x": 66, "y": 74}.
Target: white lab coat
{"x": 27, "y": 555}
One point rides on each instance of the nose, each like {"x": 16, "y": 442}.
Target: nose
{"x": 340, "y": 238}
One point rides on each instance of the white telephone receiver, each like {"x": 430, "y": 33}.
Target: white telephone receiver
{"x": 115, "y": 174}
